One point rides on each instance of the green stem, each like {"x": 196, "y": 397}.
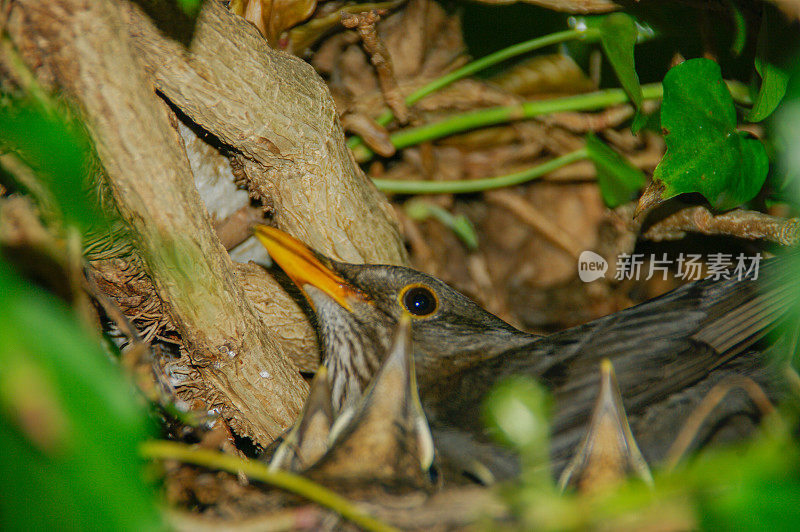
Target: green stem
{"x": 167, "y": 450}
{"x": 479, "y": 185}
{"x": 419, "y": 209}
{"x": 589, "y": 34}
{"x": 497, "y": 115}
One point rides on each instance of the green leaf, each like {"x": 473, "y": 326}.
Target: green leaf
{"x": 59, "y": 152}
{"x": 618, "y": 37}
{"x": 69, "y": 423}
{"x": 787, "y": 142}
{"x": 705, "y": 153}
{"x": 619, "y": 180}
{"x": 776, "y": 42}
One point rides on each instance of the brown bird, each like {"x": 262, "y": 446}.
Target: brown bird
{"x": 384, "y": 439}
{"x": 668, "y": 353}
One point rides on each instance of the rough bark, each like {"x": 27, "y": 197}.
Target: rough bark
{"x": 271, "y": 108}
{"x": 278, "y": 114}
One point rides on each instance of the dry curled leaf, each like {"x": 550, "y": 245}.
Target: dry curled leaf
{"x": 302, "y": 37}
{"x": 273, "y": 17}
{"x": 551, "y": 73}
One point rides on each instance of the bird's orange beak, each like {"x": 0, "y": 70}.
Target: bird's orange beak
{"x": 303, "y": 267}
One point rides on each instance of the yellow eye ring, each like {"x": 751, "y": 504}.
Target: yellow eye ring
{"x": 419, "y": 300}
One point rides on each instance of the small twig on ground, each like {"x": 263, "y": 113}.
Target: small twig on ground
{"x": 372, "y": 133}
{"x": 582, "y": 122}
{"x": 740, "y": 223}
{"x": 235, "y": 229}
{"x": 364, "y": 23}
{"x": 482, "y": 162}
{"x": 528, "y": 214}
{"x": 714, "y": 397}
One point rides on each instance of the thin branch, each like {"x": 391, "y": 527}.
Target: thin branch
{"x": 740, "y": 223}
{"x": 167, "y": 450}
{"x": 235, "y": 229}
{"x": 364, "y": 23}
{"x": 372, "y": 133}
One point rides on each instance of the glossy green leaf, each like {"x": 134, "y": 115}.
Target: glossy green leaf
{"x": 618, "y": 37}
{"x": 776, "y": 41}
{"x": 705, "y": 152}
{"x": 618, "y": 179}
{"x": 69, "y": 423}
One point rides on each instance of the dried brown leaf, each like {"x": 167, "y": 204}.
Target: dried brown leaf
{"x": 553, "y": 73}
{"x": 302, "y": 37}
{"x": 423, "y": 43}
{"x": 273, "y": 17}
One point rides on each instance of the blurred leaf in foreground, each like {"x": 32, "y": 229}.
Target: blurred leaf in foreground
{"x": 190, "y": 7}
{"x": 516, "y": 413}
{"x": 705, "y": 152}
{"x": 59, "y": 152}
{"x": 777, "y": 44}
{"x": 69, "y": 423}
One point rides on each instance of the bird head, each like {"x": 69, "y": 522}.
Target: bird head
{"x": 358, "y": 307}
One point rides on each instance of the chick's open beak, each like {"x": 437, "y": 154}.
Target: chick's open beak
{"x": 303, "y": 267}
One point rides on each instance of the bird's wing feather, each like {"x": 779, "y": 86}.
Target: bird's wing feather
{"x": 659, "y": 347}
{"x": 665, "y": 343}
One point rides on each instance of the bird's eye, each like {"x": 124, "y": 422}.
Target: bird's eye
{"x": 419, "y": 300}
